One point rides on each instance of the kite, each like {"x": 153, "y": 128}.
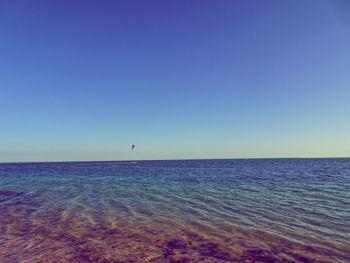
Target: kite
{"x": 132, "y": 147}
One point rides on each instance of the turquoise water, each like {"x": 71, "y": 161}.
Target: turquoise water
{"x": 255, "y": 210}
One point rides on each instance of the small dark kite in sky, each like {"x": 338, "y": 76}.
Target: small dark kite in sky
{"x": 132, "y": 147}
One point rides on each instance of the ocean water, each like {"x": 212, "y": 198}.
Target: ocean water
{"x": 255, "y": 210}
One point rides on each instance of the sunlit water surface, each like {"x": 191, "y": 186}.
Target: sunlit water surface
{"x": 272, "y": 210}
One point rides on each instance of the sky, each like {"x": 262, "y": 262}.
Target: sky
{"x": 84, "y": 80}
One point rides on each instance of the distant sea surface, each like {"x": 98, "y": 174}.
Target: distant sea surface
{"x": 255, "y": 210}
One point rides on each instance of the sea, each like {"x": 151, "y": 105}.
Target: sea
{"x": 231, "y": 210}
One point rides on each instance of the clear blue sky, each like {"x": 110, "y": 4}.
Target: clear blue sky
{"x": 83, "y": 80}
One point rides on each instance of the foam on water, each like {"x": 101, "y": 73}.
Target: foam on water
{"x": 274, "y": 210}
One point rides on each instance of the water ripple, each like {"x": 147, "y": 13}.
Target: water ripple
{"x": 274, "y": 210}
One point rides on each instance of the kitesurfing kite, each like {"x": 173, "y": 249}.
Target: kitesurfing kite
{"x": 132, "y": 147}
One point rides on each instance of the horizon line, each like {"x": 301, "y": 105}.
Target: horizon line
{"x": 239, "y": 158}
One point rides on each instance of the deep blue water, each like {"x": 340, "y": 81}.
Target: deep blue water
{"x": 272, "y": 210}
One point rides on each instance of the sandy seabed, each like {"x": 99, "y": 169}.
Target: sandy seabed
{"x": 28, "y": 235}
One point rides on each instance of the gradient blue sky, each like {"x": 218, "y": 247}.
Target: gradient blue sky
{"x": 83, "y": 80}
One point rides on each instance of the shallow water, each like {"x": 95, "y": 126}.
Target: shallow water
{"x": 256, "y": 210}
